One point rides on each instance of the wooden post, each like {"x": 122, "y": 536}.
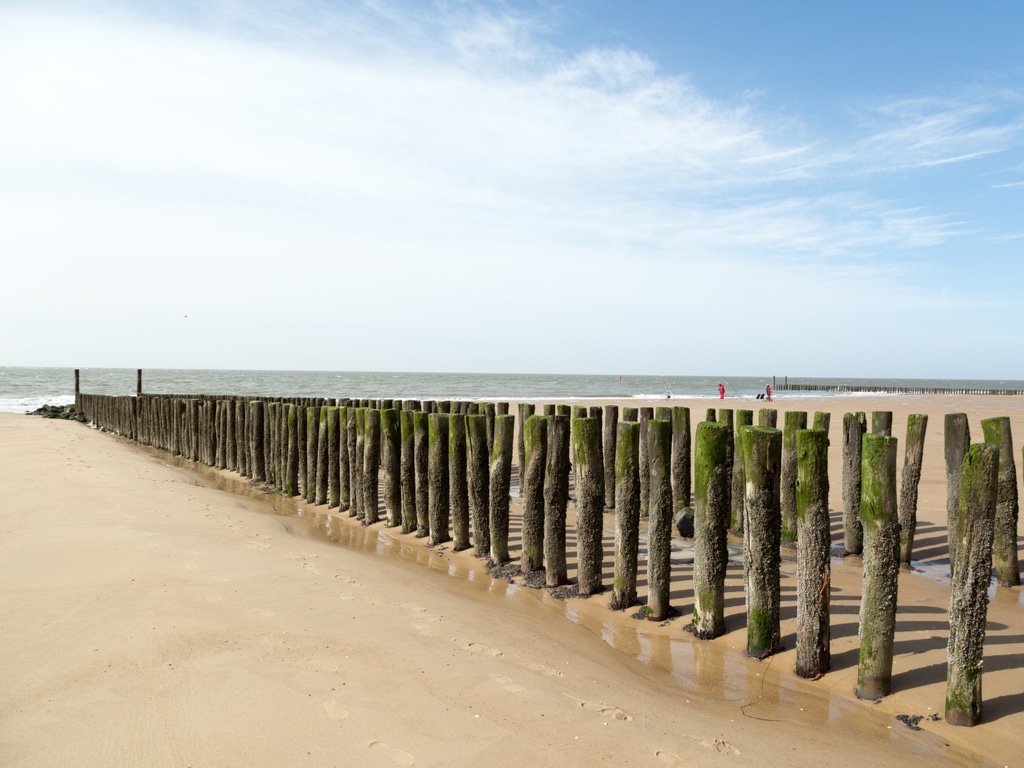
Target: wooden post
{"x": 610, "y": 430}
{"x": 407, "y": 471}
{"x": 793, "y": 421}
{"x": 853, "y": 433}
{"x": 346, "y": 433}
{"x": 587, "y": 443}
{"x": 421, "y": 449}
{"x": 458, "y": 485}
{"x": 312, "y": 449}
{"x": 1004, "y": 543}
{"x": 480, "y": 430}
{"x": 917, "y": 425}
{"x": 646, "y": 414}
{"x": 659, "y": 525}
{"x": 881, "y": 423}
{"x": 437, "y": 478}
{"x": 762, "y": 532}
{"x": 744, "y": 418}
{"x": 710, "y": 520}
{"x": 323, "y": 461}
{"x": 767, "y": 417}
{"x": 291, "y": 472}
{"x": 526, "y": 410}
{"x": 500, "y": 485}
{"x": 822, "y": 420}
{"x": 594, "y": 412}
{"x": 534, "y": 463}
{"x": 333, "y": 457}
{"x": 968, "y": 603}
{"x": 880, "y": 583}
{"x": 627, "y": 514}
{"x": 371, "y": 466}
{"x": 957, "y": 439}
{"x": 814, "y": 554}
{"x": 138, "y": 382}
{"x": 681, "y": 477}
{"x": 358, "y": 491}
{"x": 726, "y": 416}
{"x": 630, "y": 414}
{"x": 556, "y": 500}
{"x": 391, "y": 461}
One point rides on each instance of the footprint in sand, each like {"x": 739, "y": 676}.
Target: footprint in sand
{"x": 507, "y": 684}
{"x": 602, "y": 709}
{"x": 718, "y": 745}
{"x": 396, "y": 756}
{"x": 670, "y": 758}
{"x": 334, "y": 710}
{"x": 478, "y": 648}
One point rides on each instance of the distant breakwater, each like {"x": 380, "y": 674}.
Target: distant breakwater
{"x": 894, "y": 389}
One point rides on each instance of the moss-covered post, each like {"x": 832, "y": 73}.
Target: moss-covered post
{"x": 710, "y": 521}
{"x": 957, "y": 439}
{"x": 323, "y": 458}
{"x": 437, "y": 478}
{"x": 681, "y": 477}
{"x": 301, "y": 429}
{"x": 312, "y": 448}
{"x": 881, "y": 423}
{"x": 853, "y": 434}
{"x": 587, "y": 450}
{"x": 534, "y": 462}
{"x": 458, "y": 482}
{"x": 290, "y": 486}
{"x": 762, "y": 532}
{"x": 917, "y": 425}
{"x": 880, "y": 583}
{"x": 333, "y": 457}
{"x": 767, "y": 417}
{"x": 726, "y": 416}
{"x": 526, "y": 410}
{"x": 421, "y": 449}
{"x": 792, "y": 421}
{"x": 478, "y": 475}
{"x": 659, "y": 524}
{"x": 737, "y": 499}
{"x": 610, "y": 430}
{"x": 646, "y": 414}
{"x": 357, "y": 509}
{"x": 630, "y": 414}
{"x": 627, "y": 515}
{"x": 407, "y": 472}
{"x": 1004, "y": 543}
{"x": 346, "y": 431}
{"x": 556, "y": 501}
{"x": 258, "y": 466}
{"x": 822, "y": 420}
{"x": 500, "y": 485}
{"x": 972, "y": 574}
{"x": 814, "y": 554}
{"x": 594, "y": 412}
{"x": 371, "y": 466}
{"x": 391, "y": 463}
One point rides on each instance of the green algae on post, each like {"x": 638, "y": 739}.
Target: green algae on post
{"x": 458, "y": 483}
{"x": 610, "y": 429}
{"x": 682, "y": 483}
{"x": 762, "y": 530}
{"x": 814, "y": 553}
{"x": 710, "y": 520}
{"x": 627, "y": 515}
{"x": 792, "y": 421}
{"x": 659, "y": 526}
{"x": 744, "y": 418}
{"x": 1004, "y": 544}
{"x": 556, "y": 500}
{"x": 853, "y": 432}
{"x": 917, "y": 425}
{"x": 957, "y": 440}
{"x": 534, "y": 461}
{"x": 587, "y": 447}
{"x": 421, "y": 455}
{"x": 477, "y": 471}
{"x": 500, "y": 483}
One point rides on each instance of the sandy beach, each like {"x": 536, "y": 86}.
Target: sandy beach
{"x": 154, "y": 612}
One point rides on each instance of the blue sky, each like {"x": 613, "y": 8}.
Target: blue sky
{"x": 575, "y": 187}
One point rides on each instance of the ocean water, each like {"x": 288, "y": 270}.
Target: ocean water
{"x": 25, "y": 389}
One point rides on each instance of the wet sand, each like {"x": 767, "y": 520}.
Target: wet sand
{"x": 152, "y": 613}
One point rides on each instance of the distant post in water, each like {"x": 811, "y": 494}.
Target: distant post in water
{"x": 793, "y": 421}
{"x": 957, "y": 439}
{"x": 627, "y": 515}
{"x": 535, "y": 441}
{"x": 500, "y": 484}
{"x": 853, "y": 433}
{"x": 556, "y": 500}
{"x": 1004, "y": 543}
{"x": 587, "y": 444}
{"x": 814, "y": 554}
{"x": 917, "y": 425}
{"x": 968, "y": 604}
{"x": 880, "y": 583}
{"x": 659, "y": 524}
{"x": 762, "y": 530}
{"x": 710, "y": 520}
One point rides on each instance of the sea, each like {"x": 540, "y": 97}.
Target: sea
{"x": 26, "y": 389}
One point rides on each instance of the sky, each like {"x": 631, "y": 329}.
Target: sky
{"x": 653, "y": 187}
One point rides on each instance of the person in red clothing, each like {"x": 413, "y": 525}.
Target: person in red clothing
{"x": 721, "y": 391}
{"x": 768, "y": 393}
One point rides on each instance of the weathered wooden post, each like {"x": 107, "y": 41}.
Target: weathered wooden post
{"x": 681, "y": 478}
{"x": 594, "y": 412}
{"x": 500, "y": 485}
{"x": 627, "y": 515}
{"x": 610, "y": 430}
{"x": 711, "y": 415}
{"x": 968, "y": 603}
{"x": 421, "y": 449}
{"x": 371, "y": 465}
{"x": 646, "y": 414}
{"x": 744, "y": 418}
{"x": 792, "y": 421}
{"x": 258, "y": 466}
{"x": 881, "y": 423}
{"x": 917, "y": 425}
{"x": 241, "y": 436}
{"x": 587, "y": 445}
{"x": 437, "y": 478}
{"x": 822, "y": 420}
{"x": 659, "y": 524}
{"x": 346, "y": 426}
{"x": 391, "y": 461}
{"x": 526, "y": 410}
{"x": 312, "y": 447}
{"x": 478, "y": 469}
{"x": 1004, "y": 542}
{"x": 957, "y": 438}
{"x": 458, "y": 483}
{"x": 290, "y": 486}
{"x": 630, "y": 414}
{"x": 726, "y": 416}
{"x": 323, "y": 458}
{"x": 767, "y": 417}
{"x": 407, "y": 469}
{"x": 814, "y": 554}
{"x": 880, "y": 583}
{"x": 333, "y": 457}
{"x": 762, "y": 532}
{"x": 853, "y": 433}
{"x": 710, "y": 520}
{"x": 301, "y": 429}
{"x": 534, "y": 462}
{"x": 556, "y": 501}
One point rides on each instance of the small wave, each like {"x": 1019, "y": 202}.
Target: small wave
{"x": 29, "y": 404}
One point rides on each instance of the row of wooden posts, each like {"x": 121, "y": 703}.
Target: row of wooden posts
{"x": 446, "y": 472}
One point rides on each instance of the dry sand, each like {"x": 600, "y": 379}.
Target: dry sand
{"x": 162, "y": 615}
